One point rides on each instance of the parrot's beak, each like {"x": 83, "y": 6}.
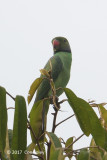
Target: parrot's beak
{"x": 55, "y": 44}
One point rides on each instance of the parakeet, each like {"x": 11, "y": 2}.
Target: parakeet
{"x": 61, "y": 66}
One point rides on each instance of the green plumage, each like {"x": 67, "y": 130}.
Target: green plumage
{"x": 61, "y": 65}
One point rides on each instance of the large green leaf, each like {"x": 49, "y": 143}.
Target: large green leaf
{"x": 79, "y": 110}
{"x": 33, "y": 88}
{"x": 19, "y": 139}
{"x": 87, "y": 119}
{"x": 97, "y": 130}
{"x": 39, "y": 109}
{"x": 36, "y": 121}
{"x": 3, "y": 119}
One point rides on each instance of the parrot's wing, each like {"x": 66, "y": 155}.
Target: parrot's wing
{"x": 44, "y": 87}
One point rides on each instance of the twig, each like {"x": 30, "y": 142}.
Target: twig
{"x": 35, "y": 137}
{"x": 10, "y": 95}
{"x": 59, "y": 88}
{"x": 41, "y": 135}
{"x": 54, "y": 121}
{"x": 62, "y": 101}
{"x": 64, "y": 120}
{"x": 10, "y": 108}
{"x": 62, "y": 141}
{"x": 76, "y": 151}
{"x": 97, "y": 147}
{"x": 74, "y": 141}
{"x": 93, "y": 158}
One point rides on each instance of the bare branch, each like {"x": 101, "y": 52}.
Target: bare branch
{"x": 10, "y": 108}
{"x": 64, "y": 120}
{"x": 62, "y": 101}
{"x": 77, "y": 150}
{"x": 10, "y": 95}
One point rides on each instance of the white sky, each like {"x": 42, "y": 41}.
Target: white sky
{"x": 26, "y": 30}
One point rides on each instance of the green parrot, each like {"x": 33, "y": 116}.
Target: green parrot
{"x": 61, "y": 66}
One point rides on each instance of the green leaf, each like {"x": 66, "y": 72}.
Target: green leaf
{"x": 33, "y": 89}
{"x": 97, "y": 130}
{"x": 36, "y": 121}
{"x": 87, "y": 119}
{"x": 54, "y": 139}
{"x": 69, "y": 149}
{"x": 31, "y": 147}
{"x": 84, "y": 155}
{"x": 3, "y": 119}
{"x": 19, "y": 129}
{"x": 79, "y": 110}
{"x": 56, "y": 154}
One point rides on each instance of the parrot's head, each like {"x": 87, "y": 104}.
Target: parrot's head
{"x": 61, "y": 44}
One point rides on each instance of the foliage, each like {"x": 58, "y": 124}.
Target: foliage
{"x": 13, "y": 143}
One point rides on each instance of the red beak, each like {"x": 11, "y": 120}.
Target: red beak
{"x": 55, "y": 43}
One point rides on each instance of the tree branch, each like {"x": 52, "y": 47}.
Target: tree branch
{"x": 62, "y": 101}
{"x": 74, "y": 141}
{"x": 10, "y": 95}
{"x": 10, "y": 108}
{"x": 64, "y": 120}
{"x": 77, "y": 150}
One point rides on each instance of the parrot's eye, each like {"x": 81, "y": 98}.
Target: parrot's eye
{"x": 65, "y": 40}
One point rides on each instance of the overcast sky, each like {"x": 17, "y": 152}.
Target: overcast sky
{"x": 26, "y": 30}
